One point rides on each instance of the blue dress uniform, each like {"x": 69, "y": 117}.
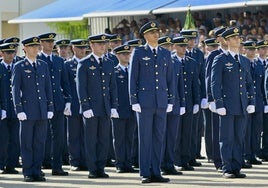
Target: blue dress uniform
{"x": 10, "y": 124}
{"x": 263, "y": 154}
{"x": 3, "y": 127}
{"x": 61, "y": 95}
{"x": 123, "y": 127}
{"x": 173, "y": 121}
{"x": 198, "y": 119}
{"x": 192, "y": 97}
{"x": 152, "y": 87}
{"x": 96, "y": 86}
{"x": 214, "y": 116}
{"x": 227, "y": 75}
{"x": 75, "y": 121}
{"x": 32, "y": 95}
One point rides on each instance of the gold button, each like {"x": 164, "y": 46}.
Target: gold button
{"x": 156, "y": 87}
{"x": 156, "y": 80}
{"x": 156, "y": 66}
{"x": 156, "y": 73}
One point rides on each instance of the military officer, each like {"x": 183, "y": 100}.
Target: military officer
{"x": 229, "y": 72}
{"x": 33, "y": 101}
{"x": 97, "y": 93}
{"x": 214, "y": 116}
{"x": 63, "y": 47}
{"x": 61, "y": 101}
{"x": 211, "y": 45}
{"x": 75, "y": 120}
{"x": 255, "y": 120}
{"x": 15, "y": 41}
{"x": 10, "y": 125}
{"x": 165, "y": 42}
{"x": 191, "y": 92}
{"x": 123, "y": 127}
{"x": 151, "y": 96}
{"x": 198, "y": 124}
{"x": 262, "y": 49}
{"x": 114, "y": 41}
{"x": 173, "y": 117}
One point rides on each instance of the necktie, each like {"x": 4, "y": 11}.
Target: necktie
{"x": 190, "y": 53}
{"x": 34, "y": 65}
{"x": 8, "y": 68}
{"x": 100, "y": 62}
{"x": 182, "y": 63}
{"x": 236, "y": 58}
{"x": 126, "y": 70}
{"x": 154, "y": 52}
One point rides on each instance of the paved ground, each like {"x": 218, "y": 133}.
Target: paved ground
{"x": 204, "y": 176}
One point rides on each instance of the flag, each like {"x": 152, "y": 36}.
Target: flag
{"x": 189, "y": 21}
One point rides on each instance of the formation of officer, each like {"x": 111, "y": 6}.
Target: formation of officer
{"x": 33, "y": 101}
{"x": 143, "y": 104}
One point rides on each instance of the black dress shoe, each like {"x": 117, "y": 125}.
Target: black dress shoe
{"x": 131, "y": 170}
{"x": 92, "y": 175}
{"x": 246, "y": 164}
{"x": 109, "y": 163}
{"x": 187, "y": 168}
{"x": 39, "y": 178}
{"x": 28, "y": 179}
{"x": 11, "y": 171}
{"x": 194, "y": 163}
{"x": 120, "y": 170}
{"x": 59, "y": 173}
{"x": 146, "y": 180}
{"x": 171, "y": 172}
{"x": 103, "y": 175}
{"x": 239, "y": 175}
{"x": 228, "y": 175}
{"x": 74, "y": 168}
{"x": 200, "y": 157}
{"x": 255, "y": 161}
{"x": 159, "y": 179}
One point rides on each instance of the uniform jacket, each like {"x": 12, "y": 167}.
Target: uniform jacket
{"x": 124, "y": 107}
{"x": 113, "y": 58}
{"x": 59, "y": 81}
{"x": 96, "y": 86}
{"x": 151, "y": 79}
{"x": 71, "y": 68}
{"x": 179, "y": 86}
{"x": 3, "y": 99}
{"x": 231, "y": 84}
{"x": 191, "y": 84}
{"x": 31, "y": 89}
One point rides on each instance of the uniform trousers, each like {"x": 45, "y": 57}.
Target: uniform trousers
{"x": 32, "y": 142}
{"x": 151, "y": 127}
{"x": 232, "y": 134}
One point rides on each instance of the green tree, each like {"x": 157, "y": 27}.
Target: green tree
{"x": 71, "y": 30}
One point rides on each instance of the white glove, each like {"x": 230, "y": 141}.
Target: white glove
{"x": 136, "y": 108}
{"x": 250, "y": 109}
{"x": 169, "y": 107}
{"x": 212, "y": 107}
{"x": 114, "y": 113}
{"x": 67, "y": 110}
{"x": 195, "y": 108}
{"x": 221, "y": 111}
{"x": 4, "y": 114}
{"x": 204, "y": 103}
{"x": 266, "y": 109}
{"x": 88, "y": 113}
{"x": 21, "y": 116}
{"x": 182, "y": 110}
{"x": 50, "y": 115}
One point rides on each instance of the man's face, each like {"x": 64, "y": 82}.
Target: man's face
{"x": 233, "y": 42}
{"x": 114, "y": 44}
{"x": 152, "y": 36}
{"x": 98, "y": 48}
{"x": 8, "y": 56}
{"x": 63, "y": 51}
{"x": 191, "y": 43}
{"x": 180, "y": 49}
{"x": 263, "y": 51}
{"x": 250, "y": 53}
{"x": 79, "y": 52}
{"x": 47, "y": 45}
{"x": 32, "y": 51}
{"x": 123, "y": 57}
